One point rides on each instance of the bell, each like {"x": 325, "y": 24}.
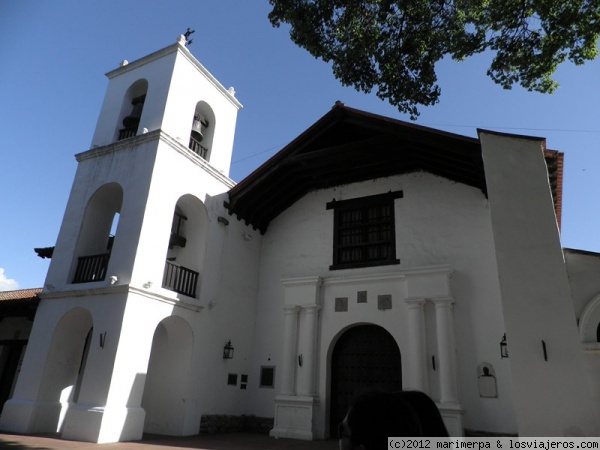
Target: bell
{"x": 197, "y": 130}
{"x": 133, "y": 120}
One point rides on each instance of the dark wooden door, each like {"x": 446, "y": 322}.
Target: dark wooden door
{"x": 365, "y": 358}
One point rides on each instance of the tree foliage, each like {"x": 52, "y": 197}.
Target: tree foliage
{"x": 393, "y": 45}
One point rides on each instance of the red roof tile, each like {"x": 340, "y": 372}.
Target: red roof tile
{"x": 21, "y": 294}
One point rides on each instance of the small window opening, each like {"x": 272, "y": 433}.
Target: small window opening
{"x": 267, "y": 377}
{"x": 598, "y": 333}
{"x": 232, "y": 379}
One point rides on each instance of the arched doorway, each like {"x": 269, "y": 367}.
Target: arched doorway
{"x": 365, "y": 358}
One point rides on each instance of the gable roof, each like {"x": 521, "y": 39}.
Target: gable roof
{"x": 349, "y": 145}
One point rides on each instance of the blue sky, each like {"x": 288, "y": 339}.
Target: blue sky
{"x": 53, "y": 57}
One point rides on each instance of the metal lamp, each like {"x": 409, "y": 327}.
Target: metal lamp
{"x": 503, "y": 347}
{"x": 228, "y": 351}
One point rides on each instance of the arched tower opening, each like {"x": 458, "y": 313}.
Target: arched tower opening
{"x": 203, "y": 130}
{"x": 131, "y": 110}
{"x": 187, "y": 242}
{"x": 95, "y": 242}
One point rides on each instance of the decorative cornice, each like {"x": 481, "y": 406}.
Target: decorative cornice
{"x": 228, "y": 94}
{"x": 129, "y": 66}
{"x": 156, "y": 135}
{"x": 429, "y": 270}
{"x": 115, "y": 147}
{"x": 106, "y": 290}
{"x": 199, "y": 161}
{"x": 119, "y": 289}
{"x": 302, "y": 281}
{"x": 179, "y": 47}
{"x": 163, "y": 298}
{"x": 393, "y": 276}
{"x": 398, "y": 275}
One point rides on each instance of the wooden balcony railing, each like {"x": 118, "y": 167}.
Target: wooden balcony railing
{"x": 91, "y": 268}
{"x": 180, "y": 279}
{"x": 197, "y": 148}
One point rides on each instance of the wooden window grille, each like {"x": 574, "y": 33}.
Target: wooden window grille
{"x": 364, "y": 231}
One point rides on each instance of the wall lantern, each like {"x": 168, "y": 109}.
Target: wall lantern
{"x": 228, "y": 351}
{"x": 503, "y": 347}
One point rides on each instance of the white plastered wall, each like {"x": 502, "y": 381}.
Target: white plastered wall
{"x": 438, "y": 222}
{"x": 582, "y": 269}
{"x": 536, "y": 297}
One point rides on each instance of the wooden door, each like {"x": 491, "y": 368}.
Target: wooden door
{"x": 365, "y": 358}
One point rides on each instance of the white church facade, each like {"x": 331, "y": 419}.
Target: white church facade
{"x": 369, "y": 253}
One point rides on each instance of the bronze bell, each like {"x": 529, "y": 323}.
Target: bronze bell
{"x": 133, "y": 120}
{"x": 197, "y": 126}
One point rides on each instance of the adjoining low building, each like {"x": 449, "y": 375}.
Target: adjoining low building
{"x": 369, "y": 253}
{"x": 17, "y": 310}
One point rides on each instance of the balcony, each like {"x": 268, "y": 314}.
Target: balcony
{"x": 180, "y": 279}
{"x": 197, "y": 148}
{"x": 91, "y": 268}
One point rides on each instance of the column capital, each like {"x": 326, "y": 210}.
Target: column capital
{"x": 415, "y": 303}
{"x": 301, "y": 291}
{"x": 443, "y": 302}
{"x": 310, "y": 308}
{"x": 291, "y": 309}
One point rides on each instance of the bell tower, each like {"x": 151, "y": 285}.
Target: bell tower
{"x": 171, "y": 91}
{"x": 133, "y": 254}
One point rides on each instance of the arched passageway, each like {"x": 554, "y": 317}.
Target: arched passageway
{"x": 167, "y": 391}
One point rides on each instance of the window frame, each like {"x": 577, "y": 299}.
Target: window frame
{"x": 232, "y": 379}
{"x": 363, "y": 204}
{"x": 262, "y": 377}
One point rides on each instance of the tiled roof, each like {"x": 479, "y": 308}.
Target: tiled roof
{"x": 21, "y": 294}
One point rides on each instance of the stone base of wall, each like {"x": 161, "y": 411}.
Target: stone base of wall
{"x": 222, "y": 423}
